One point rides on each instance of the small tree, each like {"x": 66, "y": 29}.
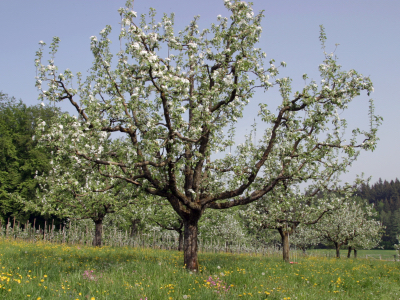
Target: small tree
{"x": 397, "y": 247}
{"x": 304, "y": 237}
{"x": 174, "y": 105}
{"x": 222, "y": 227}
{"x": 82, "y": 194}
{"x": 285, "y": 208}
{"x": 352, "y": 224}
{"x": 164, "y": 216}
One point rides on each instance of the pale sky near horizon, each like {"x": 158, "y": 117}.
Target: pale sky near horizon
{"x": 367, "y": 31}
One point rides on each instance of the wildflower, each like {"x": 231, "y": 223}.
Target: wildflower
{"x": 89, "y": 275}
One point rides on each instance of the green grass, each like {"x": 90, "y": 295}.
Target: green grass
{"x": 371, "y": 254}
{"x": 51, "y": 271}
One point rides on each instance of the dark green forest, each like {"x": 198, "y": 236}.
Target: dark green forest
{"x": 20, "y": 159}
{"x": 385, "y": 196}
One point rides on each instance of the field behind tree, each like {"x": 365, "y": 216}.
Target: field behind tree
{"x": 44, "y": 270}
{"x": 369, "y": 254}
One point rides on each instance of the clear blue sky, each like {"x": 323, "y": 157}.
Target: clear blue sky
{"x": 367, "y": 31}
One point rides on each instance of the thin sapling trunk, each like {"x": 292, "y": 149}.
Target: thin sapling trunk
{"x": 337, "y": 247}
{"x": 285, "y": 244}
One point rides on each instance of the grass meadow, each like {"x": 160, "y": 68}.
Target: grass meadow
{"x": 43, "y": 270}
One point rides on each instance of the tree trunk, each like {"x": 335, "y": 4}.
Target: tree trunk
{"x": 355, "y": 253}
{"x": 134, "y": 223}
{"x": 285, "y": 244}
{"x": 337, "y": 246}
{"x": 190, "y": 243}
{"x": 180, "y": 246}
{"x": 98, "y": 232}
{"x": 349, "y": 252}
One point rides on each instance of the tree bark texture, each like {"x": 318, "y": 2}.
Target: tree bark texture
{"x": 337, "y": 246}
{"x": 180, "y": 245}
{"x": 134, "y": 230}
{"x": 190, "y": 244}
{"x": 349, "y": 252}
{"x": 285, "y": 244}
{"x": 98, "y": 232}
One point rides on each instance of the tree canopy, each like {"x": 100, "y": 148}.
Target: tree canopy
{"x": 175, "y": 95}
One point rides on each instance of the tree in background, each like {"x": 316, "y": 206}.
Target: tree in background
{"x": 165, "y": 217}
{"x": 83, "y": 194}
{"x": 285, "y": 208}
{"x": 223, "y": 226}
{"x": 353, "y": 225}
{"x": 20, "y": 159}
{"x": 173, "y": 96}
{"x": 304, "y": 237}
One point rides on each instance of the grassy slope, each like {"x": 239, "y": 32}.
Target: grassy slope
{"x": 49, "y": 271}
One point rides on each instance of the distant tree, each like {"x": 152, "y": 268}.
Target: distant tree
{"x": 286, "y": 207}
{"x": 162, "y": 214}
{"x": 81, "y": 195}
{"x": 222, "y": 226}
{"x": 351, "y": 225}
{"x": 304, "y": 237}
{"x": 397, "y": 246}
{"x": 20, "y": 158}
